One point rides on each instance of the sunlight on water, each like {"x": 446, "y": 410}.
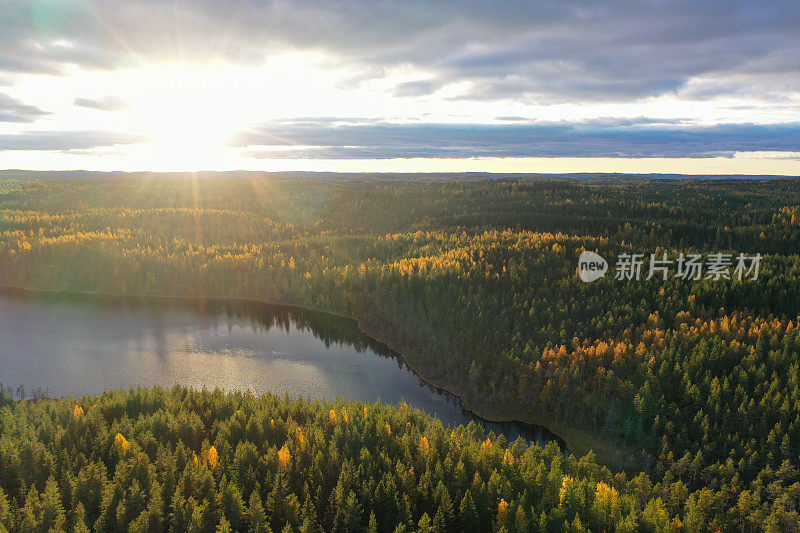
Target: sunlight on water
{"x": 85, "y": 345}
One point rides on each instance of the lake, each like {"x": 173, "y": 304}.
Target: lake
{"x": 68, "y": 344}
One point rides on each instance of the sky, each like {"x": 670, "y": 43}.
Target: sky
{"x": 637, "y": 86}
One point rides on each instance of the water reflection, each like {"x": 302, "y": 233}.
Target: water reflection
{"x": 72, "y": 344}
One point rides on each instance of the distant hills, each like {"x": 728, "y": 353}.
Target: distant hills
{"x": 78, "y": 174}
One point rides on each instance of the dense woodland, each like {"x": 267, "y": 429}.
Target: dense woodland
{"x": 150, "y": 460}
{"x": 694, "y": 385}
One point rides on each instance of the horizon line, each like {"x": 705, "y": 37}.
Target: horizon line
{"x": 4, "y": 173}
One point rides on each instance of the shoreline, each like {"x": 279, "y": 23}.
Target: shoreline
{"x": 578, "y": 442}
{"x": 393, "y": 346}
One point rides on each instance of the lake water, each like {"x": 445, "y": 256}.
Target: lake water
{"x": 76, "y": 345}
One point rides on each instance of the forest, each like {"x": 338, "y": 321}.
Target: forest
{"x": 679, "y": 399}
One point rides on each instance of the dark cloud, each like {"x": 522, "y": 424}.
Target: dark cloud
{"x": 106, "y": 103}
{"x": 65, "y": 140}
{"x": 416, "y": 88}
{"x": 620, "y": 138}
{"x": 544, "y": 51}
{"x": 12, "y": 110}
{"x": 771, "y": 88}
{"x": 507, "y": 118}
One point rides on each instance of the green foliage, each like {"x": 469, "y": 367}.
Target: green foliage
{"x": 474, "y": 281}
{"x": 368, "y": 470}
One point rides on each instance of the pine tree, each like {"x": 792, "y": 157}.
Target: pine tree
{"x": 373, "y": 523}
{"x": 469, "y": 515}
{"x": 424, "y": 524}
{"x": 52, "y": 517}
{"x": 276, "y": 501}
{"x": 179, "y": 521}
{"x": 445, "y": 510}
{"x": 5, "y": 510}
{"x": 232, "y": 505}
{"x": 224, "y": 526}
{"x": 353, "y": 514}
{"x": 256, "y": 516}
{"x": 521, "y": 524}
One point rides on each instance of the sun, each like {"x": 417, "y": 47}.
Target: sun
{"x": 184, "y": 135}
{"x": 186, "y": 123}
{"x": 190, "y": 112}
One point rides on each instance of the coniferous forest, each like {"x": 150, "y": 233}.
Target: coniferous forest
{"x": 678, "y": 398}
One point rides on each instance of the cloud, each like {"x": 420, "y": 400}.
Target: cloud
{"x": 332, "y": 120}
{"x": 510, "y": 118}
{"x": 415, "y": 88}
{"x": 12, "y": 110}
{"x": 546, "y": 52}
{"x": 612, "y": 138}
{"x": 65, "y": 140}
{"x": 106, "y": 103}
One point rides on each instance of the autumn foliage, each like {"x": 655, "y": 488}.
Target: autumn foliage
{"x": 695, "y": 384}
